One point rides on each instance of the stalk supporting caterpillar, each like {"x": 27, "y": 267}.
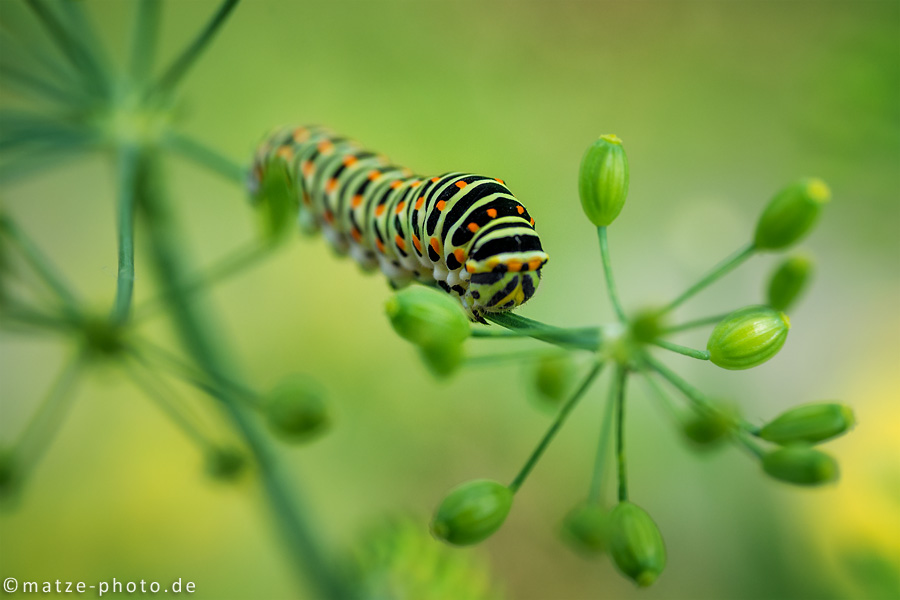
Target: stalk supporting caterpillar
{"x": 465, "y": 233}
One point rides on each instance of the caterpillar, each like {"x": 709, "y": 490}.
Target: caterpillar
{"x": 465, "y": 233}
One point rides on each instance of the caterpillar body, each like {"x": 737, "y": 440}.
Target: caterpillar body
{"x": 465, "y": 233}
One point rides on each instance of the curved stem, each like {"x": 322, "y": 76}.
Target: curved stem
{"x": 584, "y": 338}
{"x": 618, "y": 392}
{"x": 679, "y": 349}
{"x": 177, "y": 70}
{"x": 206, "y": 157}
{"x": 608, "y": 273}
{"x": 723, "y": 268}
{"x": 129, "y": 163}
{"x": 143, "y": 38}
{"x": 554, "y": 427}
{"x": 711, "y": 320}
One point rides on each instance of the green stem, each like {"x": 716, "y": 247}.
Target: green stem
{"x": 554, "y": 427}
{"x": 595, "y": 493}
{"x": 143, "y": 38}
{"x": 41, "y": 430}
{"x": 584, "y": 338}
{"x": 618, "y": 391}
{"x": 196, "y": 334}
{"x": 487, "y": 360}
{"x": 698, "y": 398}
{"x": 40, "y": 263}
{"x": 34, "y": 85}
{"x": 179, "y": 68}
{"x": 663, "y": 398}
{"x": 712, "y": 320}
{"x": 227, "y": 267}
{"x": 723, "y": 268}
{"x": 129, "y": 163}
{"x": 207, "y": 157}
{"x": 679, "y": 349}
{"x": 608, "y": 273}
{"x": 165, "y": 397}
{"x": 748, "y": 444}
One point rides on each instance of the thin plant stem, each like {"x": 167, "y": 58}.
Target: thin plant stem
{"x": 679, "y": 349}
{"x": 698, "y": 398}
{"x": 555, "y": 426}
{"x": 70, "y": 45}
{"x": 664, "y": 399}
{"x": 143, "y": 38}
{"x": 38, "y": 435}
{"x": 741, "y": 437}
{"x": 608, "y": 273}
{"x": 711, "y": 320}
{"x": 164, "y": 396}
{"x": 487, "y": 360}
{"x": 228, "y": 266}
{"x": 206, "y": 157}
{"x": 723, "y": 268}
{"x": 595, "y": 492}
{"x": 129, "y": 163}
{"x": 196, "y": 333}
{"x": 40, "y": 263}
{"x": 186, "y": 59}
{"x": 584, "y": 338}
{"x": 35, "y": 86}
{"x": 618, "y": 391}
{"x": 43, "y": 61}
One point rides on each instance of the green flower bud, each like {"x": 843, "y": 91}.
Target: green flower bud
{"x": 710, "y": 428}
{"x": 442, "y": 361}
{"x": 102, "y": 337}
{"x": 586, "y": 529}
{"x": 295, "y": 410}
{"x": 789, "y": 281}
{"x": 809, "y": 424}
{"x": 276, "y": 204}
{"x": 791, "y": 214}
{"x": 748, "y": 337}
{"x": 636, "y": 545}
{"x": 427, "y": 317}
{"x": 472, "y": 512}
{"x": 553, "y": 374}
{"x": 225, "y": 463}
{"x": 603, "y": 180}
{"x": 801, "y": 465}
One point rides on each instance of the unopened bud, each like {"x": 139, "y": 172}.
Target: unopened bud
{"x": 443, "y": 360}
{"x": 295, "y": 410}
{"x": 801, "y": 465}
{"x": 809, "y": 424}
{"x": 427, "y": 317}
{"x": 553, "y": 375}
{"x": 225, "y": 463}
{"x": 791, "y": 214}
{"x": 586, "y": 529}
{"x": 636, "y": 545}
{"x": 789, "y": 281}
{"x": 748, "y": 337}
{"x": 472, "y": 512}
{"x": 709, "y": 428}
{"x": 603, "y": 180}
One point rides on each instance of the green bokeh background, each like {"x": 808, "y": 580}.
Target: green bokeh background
{"x": 719, "y": 104}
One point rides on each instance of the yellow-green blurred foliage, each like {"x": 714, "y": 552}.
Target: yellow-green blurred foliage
{"x": 719, "y": 105}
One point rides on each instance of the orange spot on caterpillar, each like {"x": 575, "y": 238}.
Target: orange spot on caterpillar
{"x": 473, "y": 227}
{"x": 470, "y": 268}
{"x": 349, "y": 160}
{"x": 401, "y": 243}
{"x": 356, "y": 234}
{"x": 434, "y": 179}
{"x": 420, "y": 202}
{"x": 500, "y": 181}
{"x": 301, "y": 134}
{"x": 520, "y": 209}
{"x": 373, "y": 175}
{"x": 492, "y": 213}
{"x": 307, "y": 168}
{"x": 400, "y": 208}
{"x": 396, "y": 184}
{"x": 416, "y": 184}
{"x": 532, "y": 222}
{"x": 417, "y": 243}
{"x": 379, "y": 245}
{"x": 441, "y": 205}
{"x": 332, "y": 183}
{"x": 328, "y": 216}
{"x": 461, "y": 184}
{"x": 356, "y": 201}
{"x": 324, "y": 147}
{"x": 460, "y": 255}
{"x": 285, "y": 152}
{"x": 534, "y": 264}
{"x": 379, "y": 210}
{"x": 435, "y": 245}
{"x": 514, "y": 266}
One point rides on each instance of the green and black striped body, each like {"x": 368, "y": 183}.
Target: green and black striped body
{"x": 466, "y": 233}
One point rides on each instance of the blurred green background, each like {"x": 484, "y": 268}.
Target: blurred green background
{"x": 719, "y": 105}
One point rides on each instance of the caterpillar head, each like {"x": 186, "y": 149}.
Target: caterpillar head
{"x": 504, "y": 281}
